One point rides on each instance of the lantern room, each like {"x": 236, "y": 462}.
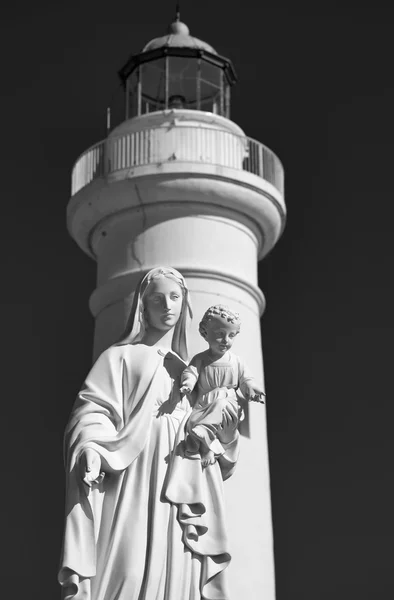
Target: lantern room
{"x": 177, "y": 71}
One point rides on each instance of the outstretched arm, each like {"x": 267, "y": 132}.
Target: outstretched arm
{"x": 250, "y": 389}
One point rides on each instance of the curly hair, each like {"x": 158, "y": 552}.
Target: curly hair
{"x": 218, "y": 311}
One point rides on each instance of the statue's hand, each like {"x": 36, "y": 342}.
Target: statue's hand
{"x": 90, "y": 465}
{"x": 254, "y": 394}
{"x": 258, "y": 398}
{"x": 185, "y": 390}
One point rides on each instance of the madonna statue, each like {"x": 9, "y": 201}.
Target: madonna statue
{"x": 133, "y": 532}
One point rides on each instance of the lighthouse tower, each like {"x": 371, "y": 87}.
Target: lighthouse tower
{"x": 178, "y": 183}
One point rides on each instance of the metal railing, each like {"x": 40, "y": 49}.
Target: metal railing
{"x": 184, "y": 144}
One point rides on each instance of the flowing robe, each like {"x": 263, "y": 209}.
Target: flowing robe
{"x": 124, "y": 538}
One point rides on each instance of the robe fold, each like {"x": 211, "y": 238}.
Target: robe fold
{"x": 125, "y": 537}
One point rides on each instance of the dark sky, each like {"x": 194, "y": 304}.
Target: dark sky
{"x": 316, "y": 86}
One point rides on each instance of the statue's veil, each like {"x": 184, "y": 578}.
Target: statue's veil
{"x": 136, "y": 326}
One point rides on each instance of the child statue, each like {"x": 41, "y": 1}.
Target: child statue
{"x": 217, "y": 373}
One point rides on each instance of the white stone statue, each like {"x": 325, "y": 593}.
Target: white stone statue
{"x": 127, "y": 534}
{"x": 218, "y": 373}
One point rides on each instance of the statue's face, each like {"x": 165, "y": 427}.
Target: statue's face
{"x": 163, "y": 303}
{"x": 220, "y": 335}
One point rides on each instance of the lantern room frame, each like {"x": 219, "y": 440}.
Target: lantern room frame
{"x": 153, "y": 81}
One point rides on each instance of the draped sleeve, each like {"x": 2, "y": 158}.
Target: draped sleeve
{"x": 98, "y": 410}
{"x": 112, "y": 415}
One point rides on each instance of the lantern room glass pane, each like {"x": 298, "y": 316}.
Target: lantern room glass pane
{"x": 227, "y": 99}
{"x": 182, "y": 82}
{"x": 153, "y": 86}
{"x": 211, "y": 73}
{"x": 132, "y": 98}
{"x": 211, "y": 88}
{"x": 210, "y": 97}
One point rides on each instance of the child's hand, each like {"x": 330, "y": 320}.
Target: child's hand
{"x": 258, "y": 398}
{"x": 253, "y": 394}
{"x": 248, "y": 392}
{"x": 185, "y": 390}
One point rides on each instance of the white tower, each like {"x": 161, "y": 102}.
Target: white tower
{"x": 179, "y": 184}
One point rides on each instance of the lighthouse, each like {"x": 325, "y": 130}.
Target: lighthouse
{"x": 179, "y": 183}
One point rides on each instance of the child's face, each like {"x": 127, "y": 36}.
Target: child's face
{"x": 220, "y": 335}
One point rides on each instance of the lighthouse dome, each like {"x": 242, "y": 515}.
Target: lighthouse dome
{"x": 177, "y": 71}
{"x": 178, "y": 36}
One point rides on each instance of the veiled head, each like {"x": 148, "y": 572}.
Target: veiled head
{"x": 160, "y": 301}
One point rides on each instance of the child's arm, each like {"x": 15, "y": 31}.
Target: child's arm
{"x": 247, "y": 384}
{"x": 190, "y": 376}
